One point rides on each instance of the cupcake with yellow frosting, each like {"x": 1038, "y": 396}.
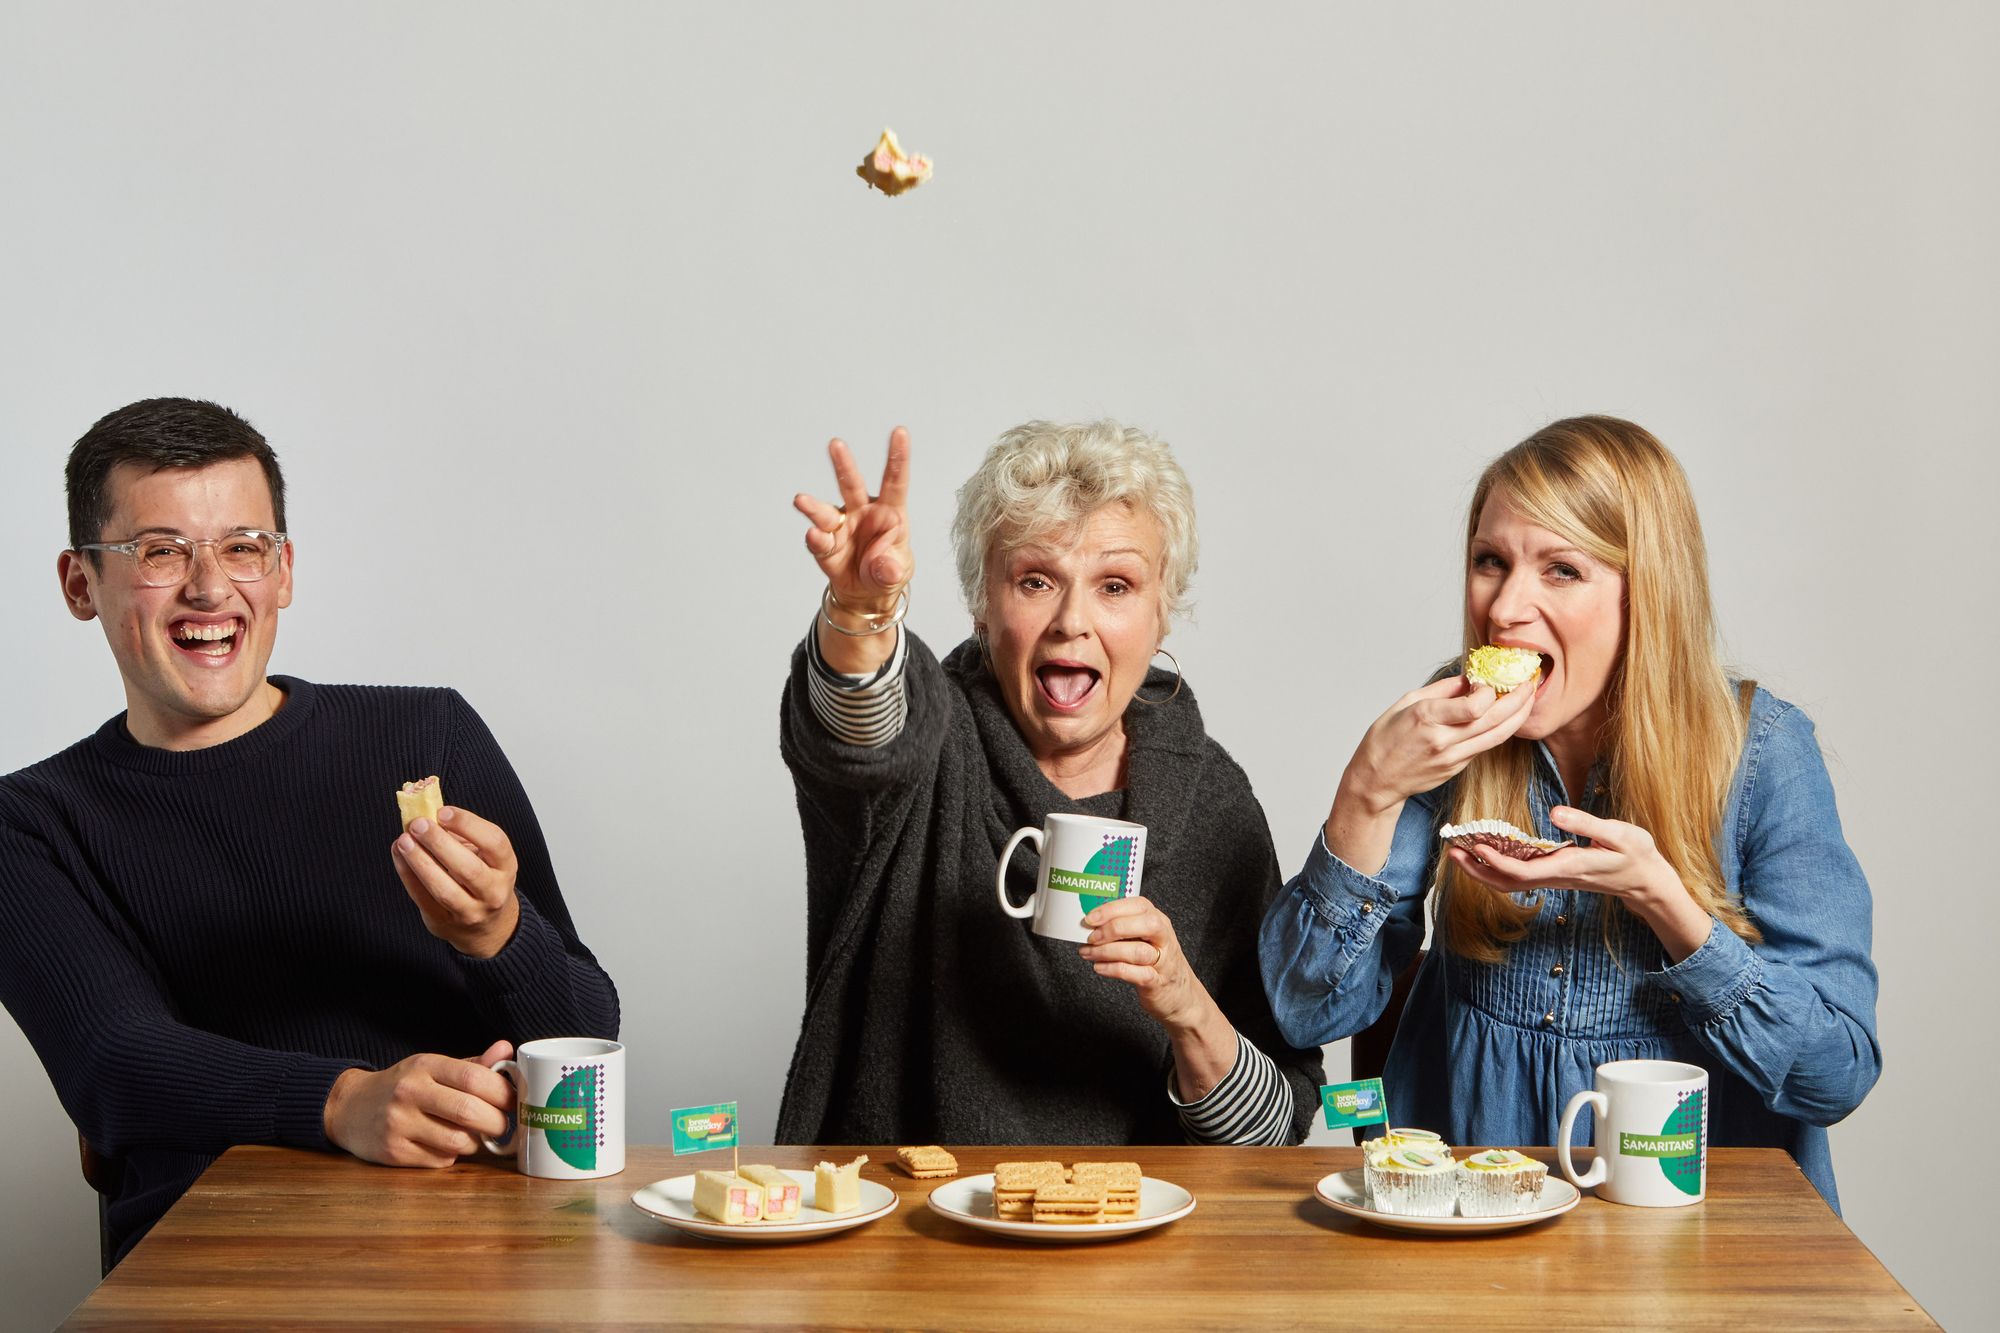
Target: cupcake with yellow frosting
{"x": 1413, "y": 1182}
{"x": 1499, "y": 1183}
{"x": 1502, "y": 669}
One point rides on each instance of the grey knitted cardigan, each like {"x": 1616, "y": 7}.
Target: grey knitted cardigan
{"x": 931, "y": 1016}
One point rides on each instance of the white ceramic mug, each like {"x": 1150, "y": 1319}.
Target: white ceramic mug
{"x": 1085, "y": 862}
{"x": 1652, "y": 1133}
{"x": 569, "y": 1118}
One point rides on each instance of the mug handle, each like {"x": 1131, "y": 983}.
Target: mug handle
{"x": 1599, "y": 1168}
{"x": 1026, "y": 909}
{"x": 512, "y": 1070}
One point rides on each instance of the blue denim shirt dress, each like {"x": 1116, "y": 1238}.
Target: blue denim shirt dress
{"x": 1489, "y": 1054}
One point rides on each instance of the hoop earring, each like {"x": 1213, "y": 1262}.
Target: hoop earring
{"x": 1140, "y": 698}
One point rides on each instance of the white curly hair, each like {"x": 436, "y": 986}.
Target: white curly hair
{"x": 1043, "y": 480}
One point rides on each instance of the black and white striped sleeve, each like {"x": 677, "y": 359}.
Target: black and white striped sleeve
{"x": 1252, "y": 1105}
{"x": 859, "y": 710}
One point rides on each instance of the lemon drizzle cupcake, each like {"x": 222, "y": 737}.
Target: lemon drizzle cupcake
{"x": 1382, "y": 1145}
{"x": 1413, "y": 1182}
{"x": 1499, "y": 1183}
{"x": 1504, "y": 670}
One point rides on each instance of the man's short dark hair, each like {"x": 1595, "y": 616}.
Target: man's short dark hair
{"x": 159, "y": 433}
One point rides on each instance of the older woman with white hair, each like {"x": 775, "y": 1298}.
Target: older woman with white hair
{"x": 930, "y": 1016}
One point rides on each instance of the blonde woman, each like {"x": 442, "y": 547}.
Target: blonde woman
{"x": 930, "y": 1015}
{"x": 1711, "y": 911}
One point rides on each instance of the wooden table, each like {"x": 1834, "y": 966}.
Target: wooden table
{"x": 271, "y": 1236}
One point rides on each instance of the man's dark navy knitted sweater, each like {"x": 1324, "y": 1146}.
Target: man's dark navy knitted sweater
{"x": 199, "y": 942}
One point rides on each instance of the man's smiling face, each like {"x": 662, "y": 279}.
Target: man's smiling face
{"x": 192, "y": 654}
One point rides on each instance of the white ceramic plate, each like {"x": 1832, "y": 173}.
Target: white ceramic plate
{"x": 1344, "y": 1192}
{"x": 672, "y": 1202}
{"x": 970, "y": 1200}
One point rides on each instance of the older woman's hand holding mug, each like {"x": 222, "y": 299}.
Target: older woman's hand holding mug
{"x": 1132, "y": 941}
{"x": 863, "y": 548}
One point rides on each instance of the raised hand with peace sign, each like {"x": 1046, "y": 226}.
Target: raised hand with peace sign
{"x": 863, "y": 547}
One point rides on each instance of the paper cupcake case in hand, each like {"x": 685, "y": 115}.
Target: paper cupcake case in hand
{"x": 1499, "y": 836}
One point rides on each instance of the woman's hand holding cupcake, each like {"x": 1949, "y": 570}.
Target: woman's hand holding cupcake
{"x": 1425, "y": 739}
{"x": 1621, "y": 862}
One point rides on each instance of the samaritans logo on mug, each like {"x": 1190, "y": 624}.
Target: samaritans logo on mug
{"x": 1677, "y": 1146}
{"x": 569, "y": 1120}
{"x": 1651, "y": 1133}
{"x": 1086, "y": 862}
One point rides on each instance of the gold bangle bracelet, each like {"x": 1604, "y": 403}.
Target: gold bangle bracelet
{"x": 877, "y": 623}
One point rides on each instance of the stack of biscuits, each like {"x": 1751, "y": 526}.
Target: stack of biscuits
{"x": 926, "y": 1163}
{"x": 1120, "y": 1182}
{"x": 1015, "y": 1183}
{"x": 1083, "y": 1192}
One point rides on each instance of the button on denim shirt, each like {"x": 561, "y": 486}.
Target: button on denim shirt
{"x": 1489, "y": 1054}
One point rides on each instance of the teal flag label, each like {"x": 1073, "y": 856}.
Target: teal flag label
{"x": 699, "y": 1128}
{"x": 1350, "y": 1104}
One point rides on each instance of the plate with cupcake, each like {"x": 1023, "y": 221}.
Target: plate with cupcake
{"x": 1411, "y": 1181}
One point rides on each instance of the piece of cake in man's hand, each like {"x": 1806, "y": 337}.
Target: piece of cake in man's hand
{"x": 927, "y": 1163}
{"x": 889, "y": 169}
{"x": 837, "y": 1189}
{"x": 728, "y": 1197}
{"x": 1503, "y": 670}
{"x": 420, "y": 800}
{"x": 781, "y": 1192}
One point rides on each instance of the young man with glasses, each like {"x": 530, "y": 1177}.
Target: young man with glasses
{"x": 210, "y": 928}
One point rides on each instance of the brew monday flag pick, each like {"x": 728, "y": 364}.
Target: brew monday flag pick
{"x": 699, "y": 1128}
{"x": 1350, "y": 1104}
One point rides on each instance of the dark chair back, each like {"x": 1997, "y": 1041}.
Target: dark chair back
{"x": 1368, "y": 1051}
{"x": 102, "y": 1174}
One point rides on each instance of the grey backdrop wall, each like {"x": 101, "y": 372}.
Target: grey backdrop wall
{"x": 550, "y": 309}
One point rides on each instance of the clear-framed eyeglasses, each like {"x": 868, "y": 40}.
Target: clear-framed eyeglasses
{"x": 162, "y": 560}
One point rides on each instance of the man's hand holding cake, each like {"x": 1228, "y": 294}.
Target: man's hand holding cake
{"x": 459, "y": 870}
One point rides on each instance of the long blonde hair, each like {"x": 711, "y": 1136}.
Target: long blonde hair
{"x": 1674, "y": 732}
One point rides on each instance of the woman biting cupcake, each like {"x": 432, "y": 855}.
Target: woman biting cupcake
{"x": 1709, "y": 911}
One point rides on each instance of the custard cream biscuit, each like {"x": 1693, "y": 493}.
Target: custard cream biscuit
{"x": 1119, "y": 1180}
{"x": 1069, "y": 1205}
{"x": 927, "y": 1163}
{"x": 1014, "y": 1185}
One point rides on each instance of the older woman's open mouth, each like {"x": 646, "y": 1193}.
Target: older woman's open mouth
{"x": 1065, "y": 685}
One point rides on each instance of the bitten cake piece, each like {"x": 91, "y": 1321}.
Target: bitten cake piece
{"x": 1067, "y": 1205}
{"x": 889, "y": 169}
{"x": 1120, "y": 1182}
{"x": 1015, "y": 1183}
{"x": 781, "y": 1192}
{"x": 420, "y": 800}
{"x": 837, "y": 1189}
{"x": 728, "y": 1197}
{"x": 1502, "y": 669}
{"x": 927, "y": 1163}
{"x": 1499, "y": 1183}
